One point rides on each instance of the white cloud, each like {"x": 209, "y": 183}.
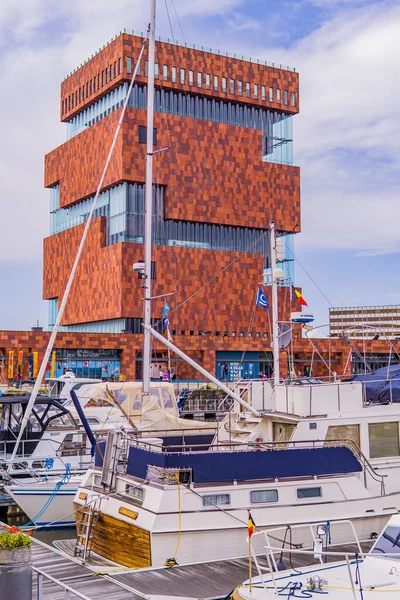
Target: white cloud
{"x": 347, "y": 136}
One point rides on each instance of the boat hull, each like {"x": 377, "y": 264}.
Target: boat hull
{"x": 43, "y": 505}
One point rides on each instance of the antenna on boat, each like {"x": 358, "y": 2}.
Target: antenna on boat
{"x": 149, "y": 203}
{"x": 274, "y": 283}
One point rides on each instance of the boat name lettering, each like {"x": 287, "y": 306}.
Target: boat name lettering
{"x": 128, "y": 513}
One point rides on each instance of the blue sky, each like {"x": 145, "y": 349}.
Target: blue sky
{"x": 347, "y": 138}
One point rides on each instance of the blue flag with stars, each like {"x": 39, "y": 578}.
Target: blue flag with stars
{"x": 262, "y": 299}
{"x": 165, "y": 322}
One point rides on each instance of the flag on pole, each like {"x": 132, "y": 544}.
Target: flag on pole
{"x": 169, "y": 336}
{"x": 166, "y": 309}
{"x": 165, "y": 322}
{"x": 10, "y": 373}
{"x": 296, "y": 295}
{"x": 251, "y": 526}
{"x": 262, "y": 299}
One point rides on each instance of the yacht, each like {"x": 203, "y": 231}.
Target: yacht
{"x": 315, "y": 452}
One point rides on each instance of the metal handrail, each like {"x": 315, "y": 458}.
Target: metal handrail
{"x": 234, "y": 387}
{"x": 68, "y": 589}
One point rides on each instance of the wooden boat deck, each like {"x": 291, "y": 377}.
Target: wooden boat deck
{"x": 214, "y": 580}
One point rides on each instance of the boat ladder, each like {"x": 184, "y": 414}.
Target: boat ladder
{"x": 85, "y": 528}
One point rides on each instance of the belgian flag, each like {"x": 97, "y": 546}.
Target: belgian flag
{"x": 251, "y": 526}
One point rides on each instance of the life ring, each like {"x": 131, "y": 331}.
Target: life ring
{"x": 257, "y": 438}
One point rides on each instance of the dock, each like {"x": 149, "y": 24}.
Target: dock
{"x": 62, "y": 576}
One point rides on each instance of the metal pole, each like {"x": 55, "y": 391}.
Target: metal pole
{"x": 275, "y": 328}
{"x": 149, "y": 202}
{"x": 196, "y": 366}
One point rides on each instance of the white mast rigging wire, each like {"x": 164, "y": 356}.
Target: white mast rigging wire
{"x": 56, "y": 327}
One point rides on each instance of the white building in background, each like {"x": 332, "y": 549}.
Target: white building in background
{"x": 365, "y": 322}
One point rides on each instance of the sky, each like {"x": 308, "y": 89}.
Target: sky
{"x": 346, "y": 137}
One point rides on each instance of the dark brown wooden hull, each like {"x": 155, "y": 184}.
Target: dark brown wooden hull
{"x": 121, "y": 542}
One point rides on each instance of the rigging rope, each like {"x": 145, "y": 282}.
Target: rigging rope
{"x": 65, "y": 479}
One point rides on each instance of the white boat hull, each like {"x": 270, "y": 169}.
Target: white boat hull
{"x": 32, "y": 499}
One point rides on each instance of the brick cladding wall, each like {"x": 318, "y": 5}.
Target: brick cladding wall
{"x": 214, "y": 173}
{"x": 186, "y": 58}
{"x": 106, "y": 287}
{"x": 202, "y": 349}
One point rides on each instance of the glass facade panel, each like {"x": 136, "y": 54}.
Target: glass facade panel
{"x": 191, "y": 77}
{"x": 165, "y": 72}
{"x": 123, "y": 207}
{"x": 224, "y": 84}
{"x": 53, "y": 311}
{"x": 173, "y": 78}
{"x": 278, "y": 139}
{"x": 183, "y": 75}
{"x": 285, "y": 97}
{"x": 199, "y": 76}
{"x": 208, "y": 81}
{"x": 216, "y": 84}
{"x": 232, "y": 86}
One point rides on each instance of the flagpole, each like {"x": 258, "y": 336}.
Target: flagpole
{"x": 249, "y": 538}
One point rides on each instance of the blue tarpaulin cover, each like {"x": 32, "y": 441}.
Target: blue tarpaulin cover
{"x": 212, "y": 467}
{"x": 382, "y": 386}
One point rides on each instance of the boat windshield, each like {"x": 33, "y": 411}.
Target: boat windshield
{"x": 388, "y": 543}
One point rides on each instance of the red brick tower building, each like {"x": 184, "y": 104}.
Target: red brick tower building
{"x": 224, "y": 170}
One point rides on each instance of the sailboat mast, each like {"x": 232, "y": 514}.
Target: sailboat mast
{"x": 275, "y": 326}
{"x": 149, "y": 201}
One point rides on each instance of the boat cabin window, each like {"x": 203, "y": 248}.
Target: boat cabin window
{"x": 73, "y": 445}
{"x": 282, "y": 432}
{"x": 344, "y": 432}
{"x": 137, "y": 405}
{"x": 166, "y": 395}
{"x": 388, "y": 542}
{"x": 213, "y": 499}
{"x": 4, "y": 417}
{"x": 263, "y": 496}
{"x": 383, "y": 439}
{"x": 310, "y": 492}
{"x": 134, "y": 491}
{"x": 62, "y": 422}
{"x": 155, "y": 395}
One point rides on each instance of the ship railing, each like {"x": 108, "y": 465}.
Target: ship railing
{"x": 229, "y": 446}
{"x": 367, "y": 467}
{"x": 68, "y": 590}
{"x": 316, "y": 536}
